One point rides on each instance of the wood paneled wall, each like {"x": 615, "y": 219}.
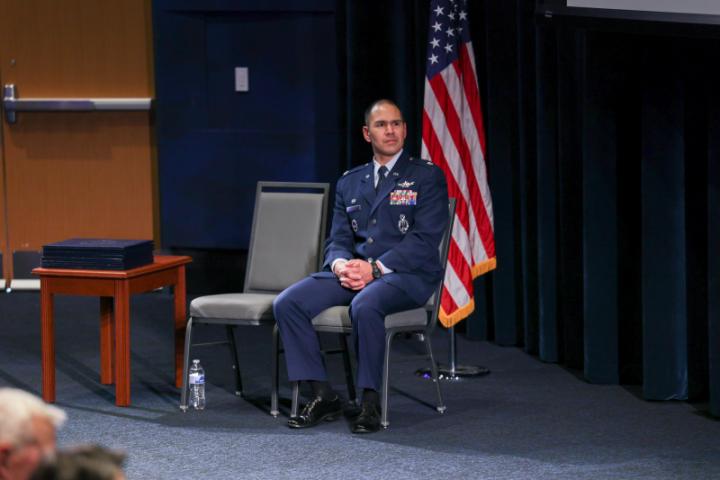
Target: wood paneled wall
{"x": 73, "y": 174}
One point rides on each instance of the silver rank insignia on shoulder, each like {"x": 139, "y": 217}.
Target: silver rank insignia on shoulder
{"x": 403, "y": 224}
{"x": 406, "y": 184}
{"x": 354, "y": 225}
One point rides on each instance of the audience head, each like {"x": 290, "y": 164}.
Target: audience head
{"x": 91, "y": 462}
{"x": 27, "y": 432}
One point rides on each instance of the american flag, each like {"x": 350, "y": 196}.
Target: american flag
{"x": 454, "y": 139}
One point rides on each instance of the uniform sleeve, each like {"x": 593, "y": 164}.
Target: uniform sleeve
{"x": 418, "y": 250}
{"x": 341, "y": 240}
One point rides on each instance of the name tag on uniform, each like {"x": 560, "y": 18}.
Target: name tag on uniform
{"x": 352, "y": 208}
{"x": 403, "y": 197}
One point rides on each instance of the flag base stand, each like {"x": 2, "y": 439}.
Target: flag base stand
{"x": 456, "y": 373}
{"x": 453, "y": 371}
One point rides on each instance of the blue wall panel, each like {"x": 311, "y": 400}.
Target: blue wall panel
{"x": 214, "y": 144}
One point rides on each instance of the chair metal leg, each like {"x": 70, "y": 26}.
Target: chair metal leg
{"x": 233, "y": 354}
{"x": 352, "y": 395}
{"x": 433, "y": 368}
{"x": 186, "y": 361}
{"x": 386, "y": 380}
{"x": 274, "y": 411}
{"x": 295, "y": 399}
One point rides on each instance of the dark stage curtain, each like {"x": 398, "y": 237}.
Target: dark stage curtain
{"x": 385, "y": 59}
{"x": 603, "y": 152}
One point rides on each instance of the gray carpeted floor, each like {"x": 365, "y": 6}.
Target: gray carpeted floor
{"x": 527, "y": 420}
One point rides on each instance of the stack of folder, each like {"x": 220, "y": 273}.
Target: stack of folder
{"x": 98, "y": 254}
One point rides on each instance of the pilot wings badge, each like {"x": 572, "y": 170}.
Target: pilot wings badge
{"x": 406, "y": 184}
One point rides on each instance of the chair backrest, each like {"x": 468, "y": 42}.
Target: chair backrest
{"x": 287, "y": 234}
{"x": 435, "y": 300}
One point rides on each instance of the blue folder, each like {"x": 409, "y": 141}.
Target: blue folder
{"x": 98, "y": 254}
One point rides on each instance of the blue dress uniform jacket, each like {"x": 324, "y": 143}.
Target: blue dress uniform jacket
{"x": 401, "y": 225}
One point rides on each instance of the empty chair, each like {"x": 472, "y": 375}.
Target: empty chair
{"x": 285, "y": 246}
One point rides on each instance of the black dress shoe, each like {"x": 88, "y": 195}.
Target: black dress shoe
{"x": 318, "y": 410}
{"x": 369, "y": 419}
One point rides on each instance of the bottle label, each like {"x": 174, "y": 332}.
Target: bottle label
{"x": 197, "y": 379}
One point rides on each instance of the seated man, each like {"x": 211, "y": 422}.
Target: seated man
{"x": 381, "y": 258}
{"x": 27, "y": 433}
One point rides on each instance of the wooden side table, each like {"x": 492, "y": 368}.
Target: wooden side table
{"x": 114, "y": 288}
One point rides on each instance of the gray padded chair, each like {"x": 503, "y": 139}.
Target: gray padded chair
{"x": 286, "y": 245}
{"x": 419, "y": 320}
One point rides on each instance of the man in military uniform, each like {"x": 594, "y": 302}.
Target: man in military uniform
{"x": 381, "y": 258}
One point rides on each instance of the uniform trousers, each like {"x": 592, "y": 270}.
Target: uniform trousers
{"x": 295, "y": 308}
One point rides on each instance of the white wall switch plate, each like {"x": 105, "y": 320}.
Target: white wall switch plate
{"x": 242, "y": 82}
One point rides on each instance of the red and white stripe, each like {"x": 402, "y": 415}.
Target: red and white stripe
{"x": 454, "y": 139}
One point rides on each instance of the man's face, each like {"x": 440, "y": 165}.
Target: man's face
{"x": 18, "y": 462}
{"x": 385, "y": 131}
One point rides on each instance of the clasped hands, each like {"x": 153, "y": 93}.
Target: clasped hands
{"x": 354, "y": 274}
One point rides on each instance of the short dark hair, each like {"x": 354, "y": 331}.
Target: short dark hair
{"x": 382, "y": 101}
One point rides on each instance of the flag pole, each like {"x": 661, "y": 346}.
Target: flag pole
{"x": 453, "y": 138}
{"x": 455, "y": 371}
{"x": 452, "y": 371}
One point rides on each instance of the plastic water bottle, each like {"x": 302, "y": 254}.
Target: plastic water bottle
{"x": 197, "y": 385}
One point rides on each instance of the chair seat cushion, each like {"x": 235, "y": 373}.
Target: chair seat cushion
{"x": 333, "y": 317}
{"x": 338, "y": 318}
{"x": 251, "y": 308}
{"x": 417, "y": 317}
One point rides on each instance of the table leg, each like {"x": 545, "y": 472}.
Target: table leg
{"x": 122, "y": 343}
{"x": 47, "y": 336}
{"x": 180, "y": 324}
{"x": 106, "y": 340}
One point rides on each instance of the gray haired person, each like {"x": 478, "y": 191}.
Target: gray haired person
{"x": 27, "y": 433}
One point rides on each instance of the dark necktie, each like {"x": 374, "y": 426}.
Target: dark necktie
{"x": 382, "y": 171}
